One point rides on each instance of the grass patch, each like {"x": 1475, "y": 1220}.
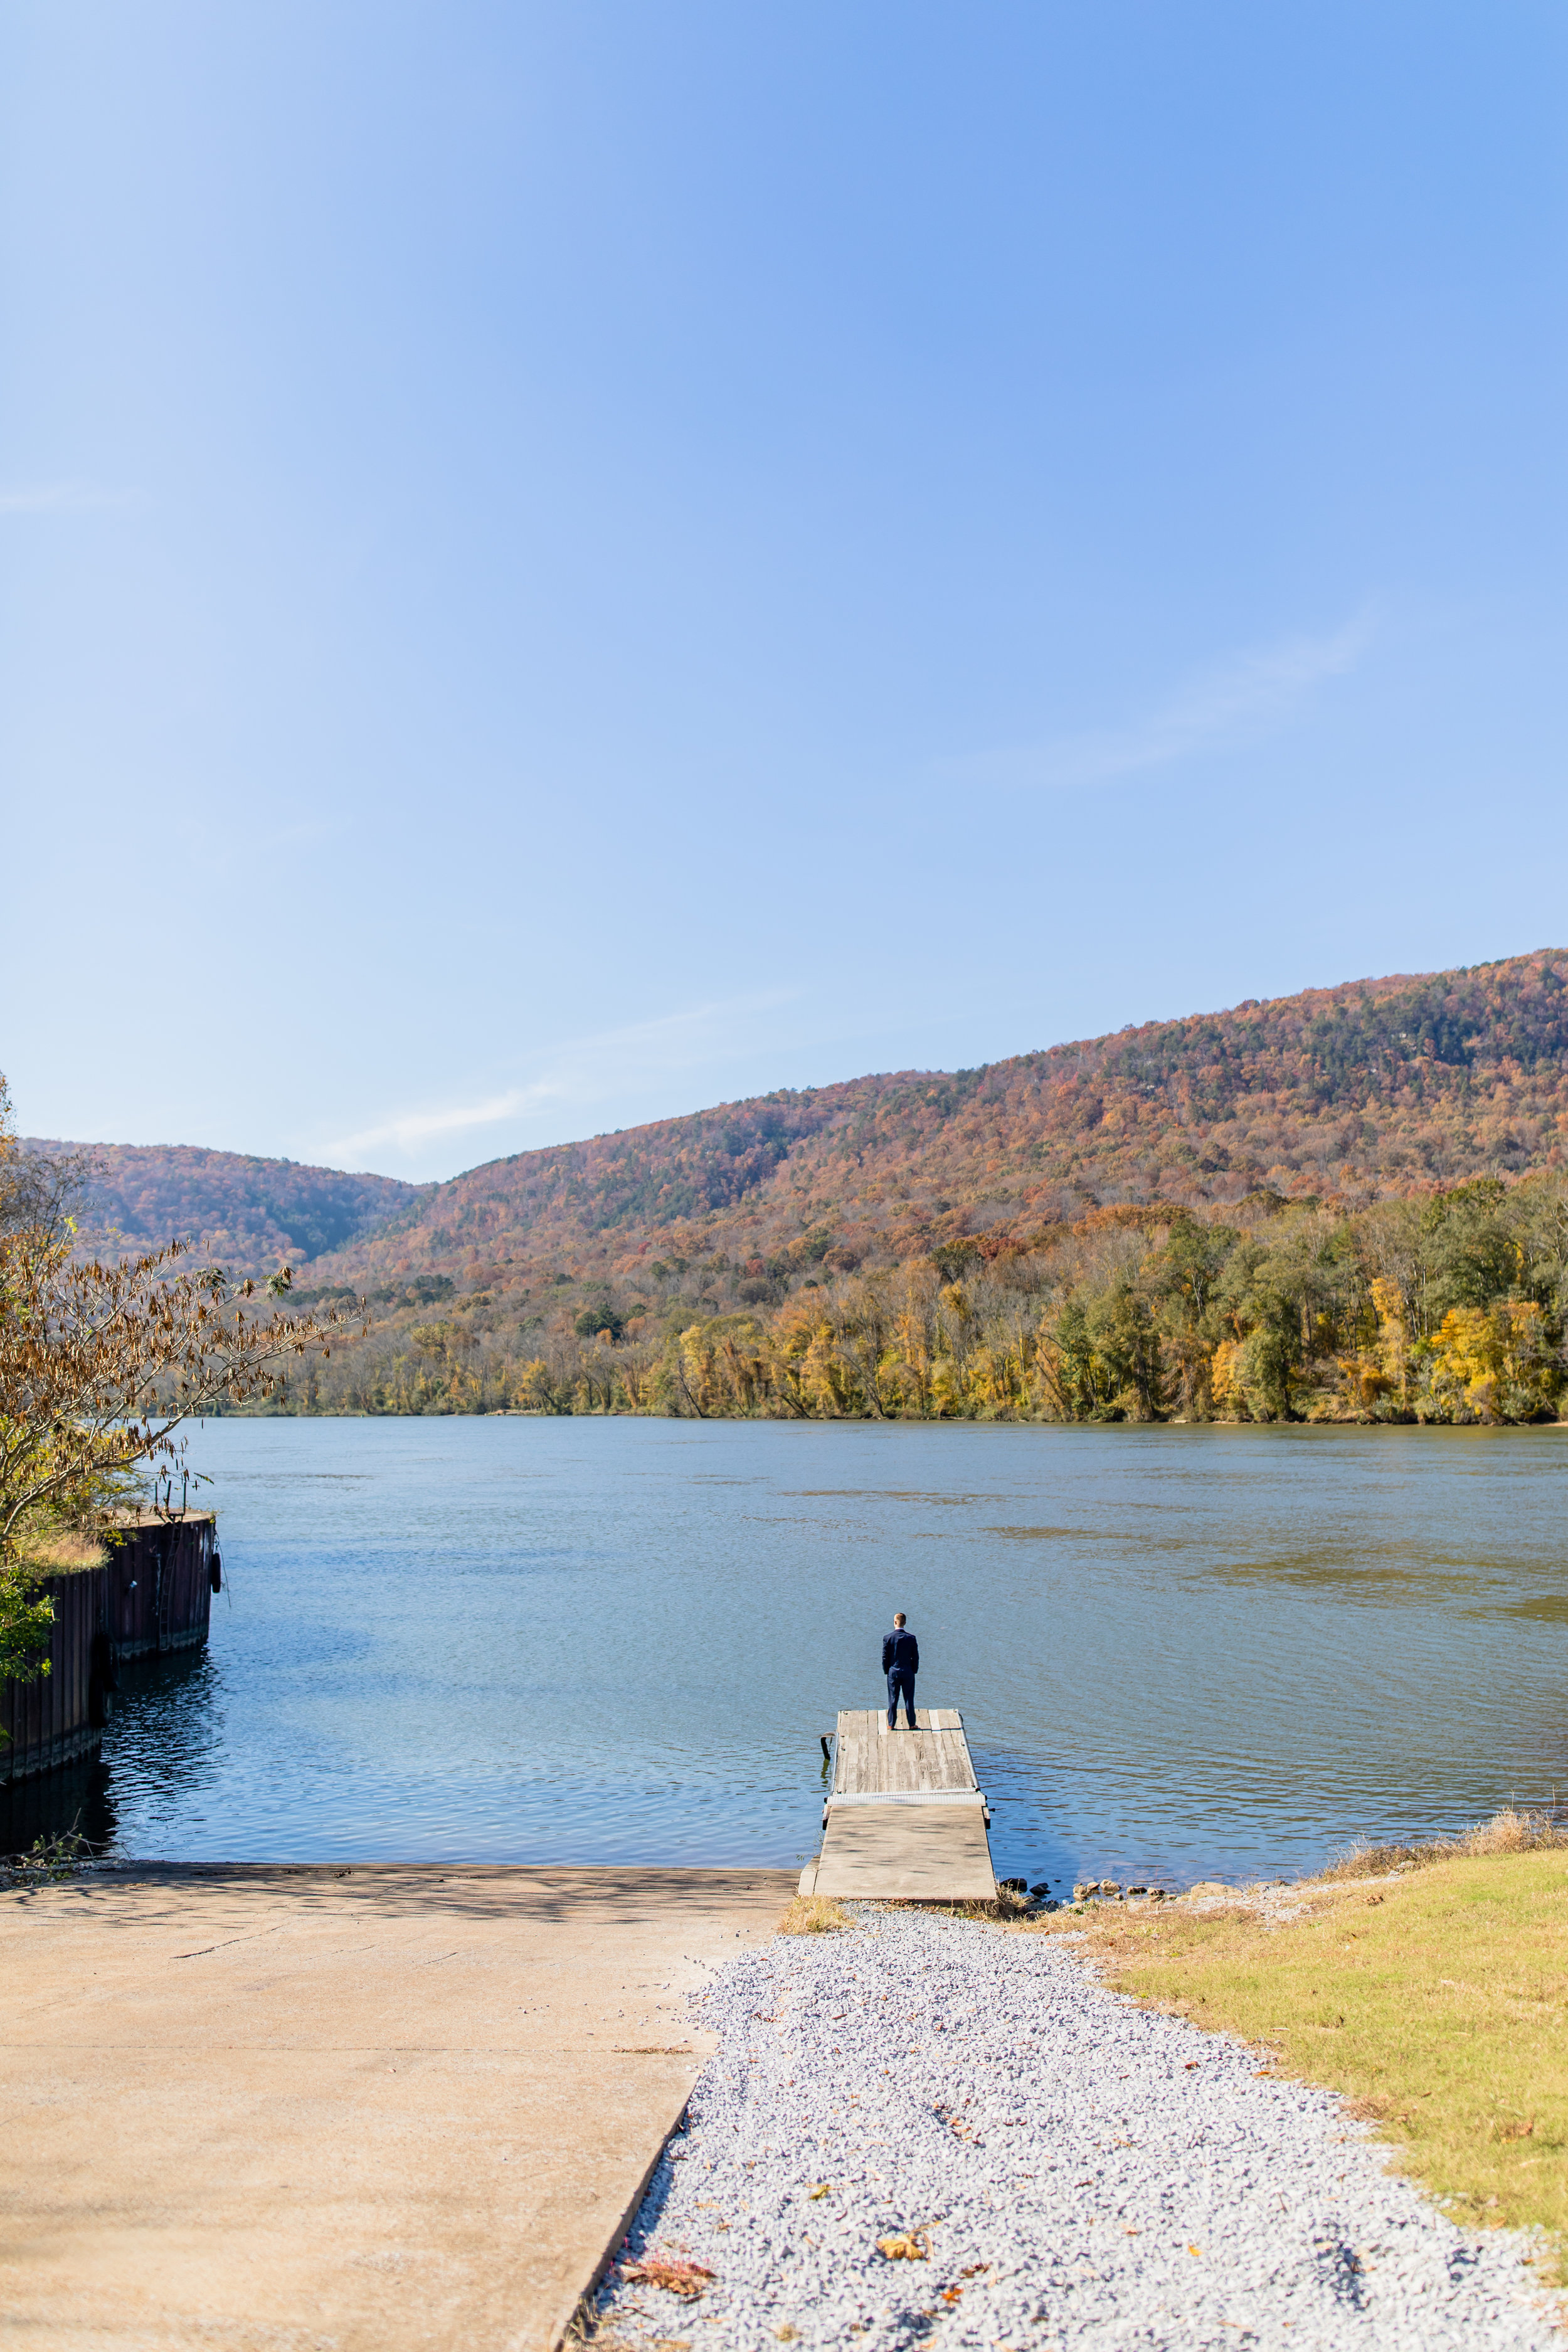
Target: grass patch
{"x": 815, "y": 1914}
{"x": 62, "y": 1551}
{"x": 1434, "y": 2001}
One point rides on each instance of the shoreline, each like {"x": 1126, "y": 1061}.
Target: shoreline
{"x": 894, "y": 1419}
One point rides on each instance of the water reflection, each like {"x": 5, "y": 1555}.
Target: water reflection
{"x": 162, "y": 1738}
{"x": 77, "y": 1799}
{"x": 1546, "y": 1609}
{"x": 164, "y": 1742}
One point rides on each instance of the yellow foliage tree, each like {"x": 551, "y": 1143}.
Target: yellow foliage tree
{"x": 1224, "y": 1382}
{"x": 1393, "y": 1336}
{"x": 535, "y": 1390}
{"x": 1495, "y": 1362}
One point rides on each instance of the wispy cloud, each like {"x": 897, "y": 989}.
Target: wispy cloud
{"x": 1235, "y": 702}
{"x": 406, "y": 1130}
{"x": 63, "y": 498}
{"x": 574, "y": 1074}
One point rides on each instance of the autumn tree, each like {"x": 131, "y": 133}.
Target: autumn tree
{"x": 101, "y": 1367}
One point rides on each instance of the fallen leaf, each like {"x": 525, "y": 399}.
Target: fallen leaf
{"x": 683, "y": 2278}
{"x": 823, "y": 2189}
{"x": 1131, "y": 2232}
{"x": 975, "y": 2270}
{"x": 1194, "y": 2249}
{"x": 953, "y": 2294}
{"x": 904, "y": 2246}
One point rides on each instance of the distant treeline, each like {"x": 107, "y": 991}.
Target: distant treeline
{"x": 1447, "y": 1306}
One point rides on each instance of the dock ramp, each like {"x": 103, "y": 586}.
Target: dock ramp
{"x": 905, "y": 1816}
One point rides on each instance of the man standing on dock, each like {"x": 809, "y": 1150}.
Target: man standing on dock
{"x": 900, "y": 1664}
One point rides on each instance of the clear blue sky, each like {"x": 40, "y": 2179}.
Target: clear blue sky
{"x": 563, "y": 563}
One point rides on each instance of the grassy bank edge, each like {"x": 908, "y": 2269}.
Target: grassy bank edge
{"x": 1427, "y": 1986}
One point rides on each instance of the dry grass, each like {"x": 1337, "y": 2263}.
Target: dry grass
{"x": 1509, "y": 1832}
{"x": 1007, "y": 1910}
{"x": 815, "y": 1914}
{"x": 62, "y": 1551}
{"x": 1428, "y": 1989}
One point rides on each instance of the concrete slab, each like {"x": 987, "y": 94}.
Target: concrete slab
{"x": 385, "y": 2109}
{"x": 931, "y": 1853}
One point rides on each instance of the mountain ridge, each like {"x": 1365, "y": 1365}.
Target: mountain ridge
{"x": 1352, "y": 1092}
{"x": 1349, "y": 1204}
{"x": 241, "y": 1210}
{"x": 1348, "y": 1093}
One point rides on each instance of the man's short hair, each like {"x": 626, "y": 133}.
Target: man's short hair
{"x": 897, "y": 1616}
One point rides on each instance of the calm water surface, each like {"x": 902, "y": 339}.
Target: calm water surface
{"x": 1178, "y": 1652}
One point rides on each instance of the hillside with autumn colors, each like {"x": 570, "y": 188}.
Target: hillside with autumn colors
{"x": 1344, "y": 1094}
{"x": 249, "y": 1215}
{"x": 1349, "y": 1203}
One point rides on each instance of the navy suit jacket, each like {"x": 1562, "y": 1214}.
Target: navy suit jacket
{"x": 900, "y": 1652}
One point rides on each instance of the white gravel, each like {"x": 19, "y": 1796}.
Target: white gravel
{"x": 1087, "y": 2173}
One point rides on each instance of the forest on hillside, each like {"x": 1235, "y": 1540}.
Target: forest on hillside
{"x": 1444, "y": 1307}
{"x": 1341, "y": 1095}
{"x": 1347, "y": 1202}
{"x": 245, "y": 1213}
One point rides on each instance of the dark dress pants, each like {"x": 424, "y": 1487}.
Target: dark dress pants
{"x": 901, "y": 1679}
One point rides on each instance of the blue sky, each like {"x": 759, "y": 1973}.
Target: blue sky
{"x": 565, "y": 563}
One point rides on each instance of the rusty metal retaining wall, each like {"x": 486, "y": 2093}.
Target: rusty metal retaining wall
{"x": 161, "y": 1590}
{"x": 155, "y": 1595}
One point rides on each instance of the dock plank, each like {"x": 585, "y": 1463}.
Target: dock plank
{"x": 868, "y": 1757}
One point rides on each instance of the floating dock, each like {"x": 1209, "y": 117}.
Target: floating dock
{"x": 905, "y": 1816}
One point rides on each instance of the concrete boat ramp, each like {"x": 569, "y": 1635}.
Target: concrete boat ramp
{"x": 377, "y": 2109}
{"x": 905, "y": 1818}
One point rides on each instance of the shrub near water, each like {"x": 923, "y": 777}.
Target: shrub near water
{"x": 1433, "y": 1998}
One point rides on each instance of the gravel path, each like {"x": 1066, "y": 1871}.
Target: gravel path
{"x": 1082, "y": 2171}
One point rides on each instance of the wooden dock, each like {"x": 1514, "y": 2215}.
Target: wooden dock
{"x": 905, "y": 1816}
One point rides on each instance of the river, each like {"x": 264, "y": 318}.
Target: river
{"x": 1179, "y": 1653}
